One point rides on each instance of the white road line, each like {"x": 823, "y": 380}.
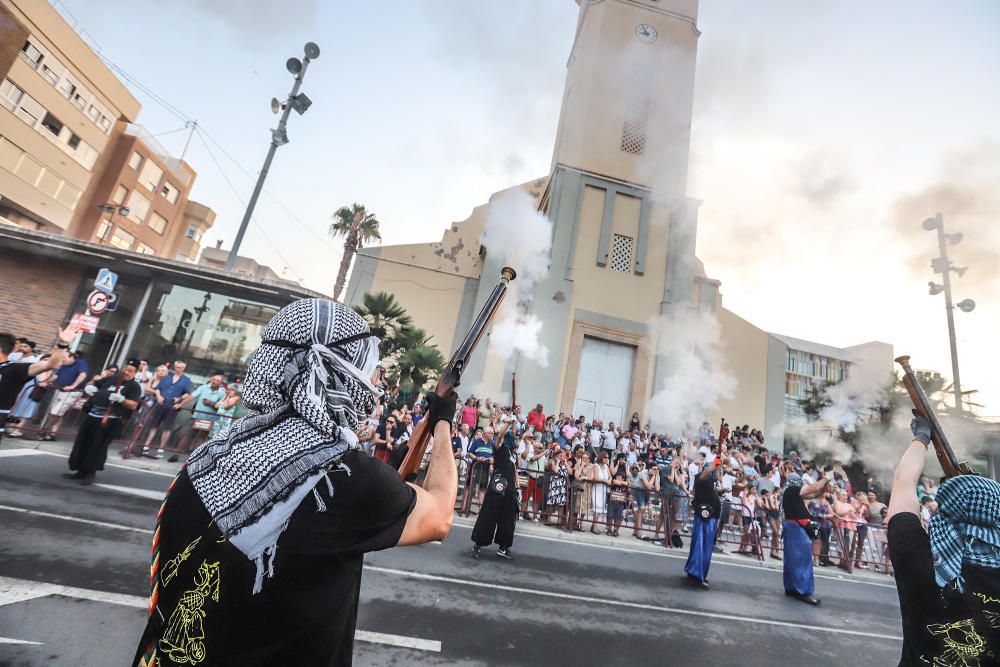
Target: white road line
{"x": 683, "y": 556}
{"x": 19, "y": 590}
{"x": 33, "y": 452}
{"x": 13, "y": 590}
{"x": 6, "y": 640}
{"x": 91, "y": 522}
{"x": 4, "y": 453}
{"x": 132, "y": 491}
{"x": 630, "y": 605}
{"x": 398, "y": 640}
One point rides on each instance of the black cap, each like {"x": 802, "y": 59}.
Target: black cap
{"x": 132, "y": 362}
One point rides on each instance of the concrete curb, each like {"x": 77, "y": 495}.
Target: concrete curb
{"x": 63, "y": 447}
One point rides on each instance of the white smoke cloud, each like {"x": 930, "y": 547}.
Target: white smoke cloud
{"x": 858, "y": 398}
{"x": 519, "y": 333}
{"x": 688, "y": 344}
{"x": 520, "y": 236}
{"x": 813, "y": 440}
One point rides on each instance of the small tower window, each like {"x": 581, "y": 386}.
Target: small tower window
{"x": 621, "y": 253}
{"x": 637, "y": 104}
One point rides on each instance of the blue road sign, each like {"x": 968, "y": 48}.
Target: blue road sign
{"x": 106, "y": 281}
{"x": 113, "y": 298}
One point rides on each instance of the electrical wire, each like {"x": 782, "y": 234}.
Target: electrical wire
{"x": 239, "y": 198}
{"x": 179, "y": 129}
{"x": 281, "y": 205}
{"x": 145, "y": 89}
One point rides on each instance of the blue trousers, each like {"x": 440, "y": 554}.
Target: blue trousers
{"x": 702, "y": 540}
{"x": 798, "y": 571}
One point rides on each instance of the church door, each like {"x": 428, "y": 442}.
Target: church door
{"x": 605, "y": 380}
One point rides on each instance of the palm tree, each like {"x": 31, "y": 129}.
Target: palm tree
{"x": 358, "y": 227}
{"x": 384, "y": 315}
{"x": 417, "y": 365}
{"x": 406, "y": 338}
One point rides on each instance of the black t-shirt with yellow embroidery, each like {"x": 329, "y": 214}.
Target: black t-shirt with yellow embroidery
{"x": 942, "y": 629}
{"x": 305, "y": 614}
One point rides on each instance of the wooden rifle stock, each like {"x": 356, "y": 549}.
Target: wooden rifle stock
{"x": 452, "y": 375}
{"x": 513, "y": 392}
{"x": 945, "y": 454}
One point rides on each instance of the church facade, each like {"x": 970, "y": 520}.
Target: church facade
{"x": 623, "y": 241}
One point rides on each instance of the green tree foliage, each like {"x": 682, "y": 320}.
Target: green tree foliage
{"x": 359, "y": 228}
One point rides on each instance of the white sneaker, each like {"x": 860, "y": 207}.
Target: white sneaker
{"x": 159, "y": 454}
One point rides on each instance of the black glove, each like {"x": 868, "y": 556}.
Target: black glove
{"x": 921, "y": 428}
{"x": 441, "y": 408}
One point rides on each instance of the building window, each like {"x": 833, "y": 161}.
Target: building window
{"x": 144, "y": 249}
{"x": 67, "y": 88}
{"x": 68, "y": 196}
{"x": 93, "y": 113}
{"x": 621, "y": 253}
{"x": 157, "y": 222}
{"x": 73, "y": 141}
{"x": 105, "y": 123}
{"x": 169, "y": 192}
{"x": 49, "y": 74}
{"x": 637, "y": 106}
{"x": 102, "y": 230}
{"x": 150, "y": 176}
{"x": 51, "y": 123}
{"x": 10, "y": 155}
{"x": 122, "y": 239}
{"x": 120, "y": 193}
{"x": 10, "y": 95}
{"x": 138, "y": 207}
{"x": 135, "y": 160}
{"x": 78, "y": 101}
{"x": 194, "y": 233}
{"x": 31, "y": 53}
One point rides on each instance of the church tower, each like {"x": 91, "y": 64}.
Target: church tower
{"x": 623, "y": 251}
{"x": 626, "y": 110}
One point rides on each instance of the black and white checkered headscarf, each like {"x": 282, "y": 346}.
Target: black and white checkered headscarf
{"x": 307, "y": 388}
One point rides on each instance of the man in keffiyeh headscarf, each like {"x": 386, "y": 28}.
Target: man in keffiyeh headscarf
{"x": 289, "y": 474}
{"x": 948, "y": 581}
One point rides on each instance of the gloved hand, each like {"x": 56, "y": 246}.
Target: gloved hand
{"x": 90, "y": 390}
{"x": 116, "y": 397}
{"x": 921, "y": 428}
{"x": 441, "y": 408}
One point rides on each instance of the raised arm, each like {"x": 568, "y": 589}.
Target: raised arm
{"x": 57, "y": 354}
{"x": 911, "y": 466}
{"x": 432, "y": 515}
{"x": 815, "y": 489}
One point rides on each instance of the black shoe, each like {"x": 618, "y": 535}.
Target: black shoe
{"x": 87, "y": 479}
{"x": 73, "y": 475}
{"x": 173, "y": 458}
{"x": 695, "y": 581}
{"x": 825, "y": 562}
{"x": 505, "y": 554}
{"x": 475, "y": 551}
{"x": 804, "y": 598}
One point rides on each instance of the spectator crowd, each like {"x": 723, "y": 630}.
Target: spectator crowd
{"x": 584, "y": 474}
{"x": 174, "y": 414}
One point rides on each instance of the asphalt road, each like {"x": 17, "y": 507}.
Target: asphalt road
{"x": 74, "y": 570}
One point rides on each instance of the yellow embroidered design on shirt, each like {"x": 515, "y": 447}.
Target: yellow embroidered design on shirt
{"x": 963, "y": 645}
{"x": 170, "y": 569}
{"x": 183, "y": 637}
{"x": 992, "y": 617}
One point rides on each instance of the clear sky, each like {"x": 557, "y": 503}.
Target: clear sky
{"x": 823, "y": 135}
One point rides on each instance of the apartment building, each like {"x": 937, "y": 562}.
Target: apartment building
{"x": 61, "y": 113}
{"x": 139, "y": 199}
{"x": 186, "y": 241}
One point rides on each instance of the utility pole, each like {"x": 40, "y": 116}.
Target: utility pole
{"x": 944, "y": 266}
{"x": 279, "y": 137}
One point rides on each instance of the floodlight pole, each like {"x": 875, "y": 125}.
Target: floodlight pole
{"x": 945, "y": 265}
{"x": 278, "y": 137}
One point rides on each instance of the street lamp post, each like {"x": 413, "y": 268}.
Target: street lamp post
{"x": 944, "y": 266}
{"x": 279, "y": 136}
{"x": 113, "y": 209}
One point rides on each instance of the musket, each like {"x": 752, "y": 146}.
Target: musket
{"x": 945, "y": 454}
{"x": 513, "y": 391}
{"x": 452, "y": 375}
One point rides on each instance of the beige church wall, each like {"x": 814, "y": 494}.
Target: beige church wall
{"x": 744, "y": 350}
{"x": 432, "y": 298}
{"x": 608, "y": 67}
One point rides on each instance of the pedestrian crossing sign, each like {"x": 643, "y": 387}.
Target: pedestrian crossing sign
{"x": 106, "y": 280}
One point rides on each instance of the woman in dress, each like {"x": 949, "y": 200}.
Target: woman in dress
{"x": 558, "y": 480}
{"x": 601, "y": 477}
